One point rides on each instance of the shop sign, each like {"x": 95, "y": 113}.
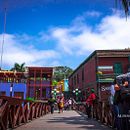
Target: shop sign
{"x": 105, "y": 68}
{"x": 103, "y": 88}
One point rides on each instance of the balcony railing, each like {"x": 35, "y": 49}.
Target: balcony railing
{"x": 46, "y": 82}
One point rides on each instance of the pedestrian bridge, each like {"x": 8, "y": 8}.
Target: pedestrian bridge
{"x": 68, "y": 120}
{"x": 29, "y": 115}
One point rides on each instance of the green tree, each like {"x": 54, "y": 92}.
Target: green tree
{"x": 61, "y": 72}
{"x": 18, "y": 67}
{"x": 54, "y": 82}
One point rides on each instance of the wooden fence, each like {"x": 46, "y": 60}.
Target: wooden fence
{"x": 100, "y": 111}
{"x": 14, "y": 112}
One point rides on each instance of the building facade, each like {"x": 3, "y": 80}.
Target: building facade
{"x": 98, "y": 71}
{"x": 35, "y": 83}
{"x": 63, "y": 87}
{"x": 39, "y": 83}
{"x": 13, "y": 84}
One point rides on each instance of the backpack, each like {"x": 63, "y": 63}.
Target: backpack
{"x": 125, "y": 94}
{"x": 96, "y": 99}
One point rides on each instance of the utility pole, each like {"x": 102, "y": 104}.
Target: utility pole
{"x": 3, "y": 40}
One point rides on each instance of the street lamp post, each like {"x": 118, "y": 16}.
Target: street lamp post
{"x": 76, "y": 92}
{"x": 54, "y": 92}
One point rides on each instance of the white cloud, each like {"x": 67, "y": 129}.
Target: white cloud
{"x": 93, "y": 13}
{"x": 80, "y": 20}
{"x": 111, "y": 33}
{"x": 79, "y": 38}
{"x": 16, "y": 51}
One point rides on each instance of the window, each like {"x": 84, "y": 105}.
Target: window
{"x": 118, "y": 68}
{"x": 77, "y": 79}
{"x": 31, "y": 92}
{"x": 129, "y": 58}
{"x": 83, "y": 74}
{"x": 2, "y": 93}
{"x": 43, "y": 92}
{"x": 37, "y": 92}
{"x": 74, "y": 80}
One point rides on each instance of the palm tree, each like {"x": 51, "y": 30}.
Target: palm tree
{"x": 19, "y": 68}
{"x": 126, "y": 4}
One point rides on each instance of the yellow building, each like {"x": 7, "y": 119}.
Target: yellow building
{"x": 60, "y": 86}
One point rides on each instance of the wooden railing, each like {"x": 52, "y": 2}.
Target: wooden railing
{"x": 15, "y": 111}
{"x": 100, "y": 111}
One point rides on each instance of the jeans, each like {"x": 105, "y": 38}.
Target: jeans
{"x": 52, "y": 109}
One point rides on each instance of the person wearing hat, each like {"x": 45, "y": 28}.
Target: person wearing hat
{"x": 89, "y": 102}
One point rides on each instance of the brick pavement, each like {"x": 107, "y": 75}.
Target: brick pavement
{"x": 68, "y": 120}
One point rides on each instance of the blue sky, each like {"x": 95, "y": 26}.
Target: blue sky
{"x": 60, "y": 32}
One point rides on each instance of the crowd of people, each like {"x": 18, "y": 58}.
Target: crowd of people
{"x": 69, "y": 104}
{"x": 119, "y": 101}
{"x": 60, "y": 103}
{"x": 120, "y": 104}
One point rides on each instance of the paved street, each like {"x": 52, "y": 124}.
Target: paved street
{"x": 68, "y": 120}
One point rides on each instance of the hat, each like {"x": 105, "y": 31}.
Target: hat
{"x": 92, "y": 90}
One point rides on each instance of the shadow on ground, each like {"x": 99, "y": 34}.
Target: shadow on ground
{"x": 79, "y": 121}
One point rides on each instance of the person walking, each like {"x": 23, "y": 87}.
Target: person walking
{"x": 60, "y": 103}
{"x": 52, "y": 102}
{"x": 70, "y": 103}
{"x": 89, "y": 103}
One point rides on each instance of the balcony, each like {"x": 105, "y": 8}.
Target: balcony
{"x": 45, "y": 82}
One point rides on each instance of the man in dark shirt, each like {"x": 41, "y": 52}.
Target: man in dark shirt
{"x": 52, "y": 102}
{"x": 122, "y": 101}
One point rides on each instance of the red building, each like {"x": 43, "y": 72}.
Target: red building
{"x": 39, "y": 82}
{"x": 99, "y": 70}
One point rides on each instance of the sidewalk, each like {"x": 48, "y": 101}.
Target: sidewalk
{"x": 68, "y": 120}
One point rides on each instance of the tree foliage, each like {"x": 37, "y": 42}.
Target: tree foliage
{"x": 125, "y": 4}
{"x": 62, "y": 72}
{"x": 54, "y": 82}
{"x": 18, "y": 67}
